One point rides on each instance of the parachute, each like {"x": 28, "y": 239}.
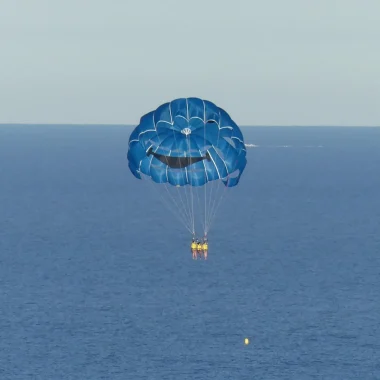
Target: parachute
{"x": 190, "y": 150}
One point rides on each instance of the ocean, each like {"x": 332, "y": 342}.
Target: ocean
{"x": 97, "y": 280}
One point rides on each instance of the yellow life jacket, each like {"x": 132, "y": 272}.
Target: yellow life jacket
{"x": 199, "y": 247}
{"x": 193, "y": 246}
{"x": 205, "y": 246}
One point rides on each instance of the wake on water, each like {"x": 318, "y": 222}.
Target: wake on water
{"x": 282, "y": 146}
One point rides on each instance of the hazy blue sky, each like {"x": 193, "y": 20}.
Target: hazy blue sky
{"x": 304, "y": 62}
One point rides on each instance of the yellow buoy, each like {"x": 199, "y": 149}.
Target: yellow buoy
{"x": 246, "y": 341}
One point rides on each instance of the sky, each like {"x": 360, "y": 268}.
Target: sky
{"x": 272, "y": 62}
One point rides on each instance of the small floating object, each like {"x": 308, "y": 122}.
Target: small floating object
{"x": 246, "y": 341}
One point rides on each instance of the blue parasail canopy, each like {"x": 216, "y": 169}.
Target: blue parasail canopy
{"x": 188, "y": 141}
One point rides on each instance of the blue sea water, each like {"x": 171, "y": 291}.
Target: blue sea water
{"x": 97, "y": 281}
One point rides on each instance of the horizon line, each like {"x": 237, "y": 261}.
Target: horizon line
{"x": 240, "y": 126}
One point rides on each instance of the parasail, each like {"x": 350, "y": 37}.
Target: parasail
{"x": 191, "y": 150}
